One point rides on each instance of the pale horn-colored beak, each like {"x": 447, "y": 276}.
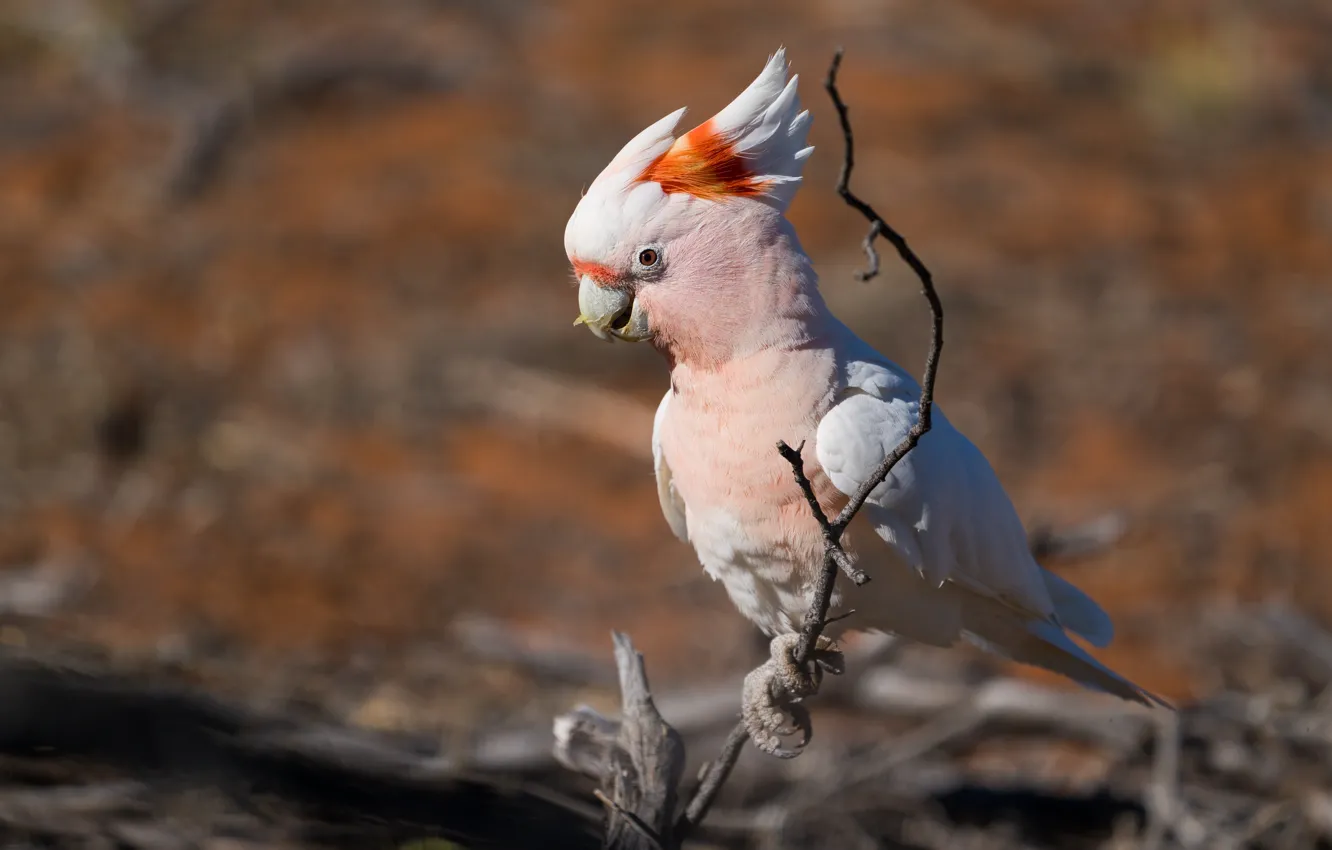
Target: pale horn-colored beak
{"x": 611, "y": 313}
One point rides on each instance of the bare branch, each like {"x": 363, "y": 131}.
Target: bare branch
{"x": 715, "y": 774}
{"x": 879, "y": 227}
{"x": 639, "y": 818}
{"x": 583, "y": 741}
{"x": 643, "y": 830}
{"x": 644, "y": 768}
{"x": 835, "y": 557}
{"x": 830, "y": 535}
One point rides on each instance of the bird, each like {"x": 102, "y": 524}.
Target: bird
{"x": 682, "y": 242}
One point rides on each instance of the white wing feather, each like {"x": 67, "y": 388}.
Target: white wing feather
{"x": 942, "y": 508}
{"x": 966, "y": 570}
{"x": 672, "y": 506}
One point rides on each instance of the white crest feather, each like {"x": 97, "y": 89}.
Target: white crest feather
{"x": 769, "y": 128}
{"x": 764, "y": 125}
{"x": 641, "y": 150}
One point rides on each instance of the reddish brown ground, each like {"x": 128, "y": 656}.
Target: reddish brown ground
{"x": 1128, "y": 209}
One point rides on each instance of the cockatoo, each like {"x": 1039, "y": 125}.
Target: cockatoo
{"x": 682, "y": 242}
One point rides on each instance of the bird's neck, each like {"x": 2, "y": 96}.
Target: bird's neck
{"x": 775, "y": 306}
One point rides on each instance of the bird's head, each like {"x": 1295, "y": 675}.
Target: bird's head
{"x": 673, "y": 222}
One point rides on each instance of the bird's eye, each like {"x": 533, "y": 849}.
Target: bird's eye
{"x": 648, "y": 257}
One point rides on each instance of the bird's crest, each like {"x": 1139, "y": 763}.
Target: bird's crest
{"x": 704, "y": 163}
{"x": 755, "y": 147}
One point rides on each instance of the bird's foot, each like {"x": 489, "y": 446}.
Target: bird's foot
{"x": 773, "y": 692}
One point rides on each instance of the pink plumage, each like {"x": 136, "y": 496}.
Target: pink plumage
{"x": 694, "y": 254}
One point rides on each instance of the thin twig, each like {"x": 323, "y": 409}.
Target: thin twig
{"x": 835, "y": 557}
{"x": 714, "y": 777}
{"x": 879, "y": 227}
{"x": 831, "y": 535}
{"x": 632, "y": 819}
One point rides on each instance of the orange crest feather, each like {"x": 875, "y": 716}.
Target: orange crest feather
{"x": 703, "y": 163}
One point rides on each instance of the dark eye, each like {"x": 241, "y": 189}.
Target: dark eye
{"x": 647, "y": 258}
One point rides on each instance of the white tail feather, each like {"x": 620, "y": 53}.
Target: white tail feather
{"x": 1078, "y": 612}
{"x": 995, "y": 627}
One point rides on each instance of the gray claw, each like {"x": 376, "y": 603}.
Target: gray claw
{"x": 772, "y": 695}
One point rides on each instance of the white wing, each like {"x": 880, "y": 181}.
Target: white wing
{"x": 671, "y": 504}
{"x": 942, "y": 507}
{"x": 969, "y": 572}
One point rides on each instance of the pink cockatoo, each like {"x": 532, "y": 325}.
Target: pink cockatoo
{"x": 682, "y": 242}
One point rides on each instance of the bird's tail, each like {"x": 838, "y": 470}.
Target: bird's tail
{"x": 996, "y": 627}
{"x": 1078, "y": 612}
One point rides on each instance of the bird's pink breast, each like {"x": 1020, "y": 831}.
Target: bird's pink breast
{"x": 748, "y": 520}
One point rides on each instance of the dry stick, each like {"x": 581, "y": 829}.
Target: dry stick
{"x": 642, "y": 775}
{"x": 835, "y": 557}
{"x": 635, "y": 822}
{"x": 714, "y": 777}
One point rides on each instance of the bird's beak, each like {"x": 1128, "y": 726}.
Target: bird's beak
{"x": 611, "y": 313}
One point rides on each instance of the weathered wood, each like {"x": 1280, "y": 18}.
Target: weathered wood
{"x": 645, "y": 765}
{"x": 639, "y": 760}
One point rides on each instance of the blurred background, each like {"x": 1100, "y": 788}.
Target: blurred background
{"x": 291, "y": 408}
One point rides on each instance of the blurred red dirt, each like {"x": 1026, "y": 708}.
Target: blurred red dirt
{"x": 1130, "y": 218}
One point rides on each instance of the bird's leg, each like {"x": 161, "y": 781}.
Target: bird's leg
{"x": 774, "y": 690}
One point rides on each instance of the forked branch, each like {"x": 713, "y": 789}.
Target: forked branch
{"x": 643, "y": 752}
{"x": 835, "y": 557}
